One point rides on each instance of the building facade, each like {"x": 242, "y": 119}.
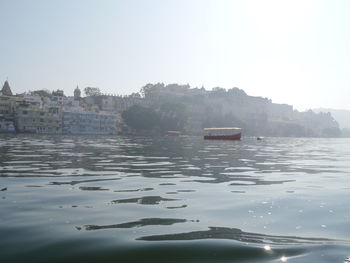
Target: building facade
{"x": 31, "y": 119}
{"x": 88, "y": 122}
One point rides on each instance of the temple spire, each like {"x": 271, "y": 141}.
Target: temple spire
{"x": 77, "y": 93}
{"x": 6, "y": 89}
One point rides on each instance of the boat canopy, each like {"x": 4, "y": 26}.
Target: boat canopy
{"x": 218, "y": 129}
{"x": 228, "y": 131}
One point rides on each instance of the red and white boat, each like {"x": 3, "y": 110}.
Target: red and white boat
{"x": 222, "y": 133}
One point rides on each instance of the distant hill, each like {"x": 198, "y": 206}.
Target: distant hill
{"x": 191, "y": 109}
{"x": 341, "y": 116}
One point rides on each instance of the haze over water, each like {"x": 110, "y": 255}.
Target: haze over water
{"x": 173, "y": 199}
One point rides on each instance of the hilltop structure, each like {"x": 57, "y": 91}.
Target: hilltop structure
{"x": 256, "y": 115}
{"x": 77, "y": 93}
{"x": 6, "y": 89}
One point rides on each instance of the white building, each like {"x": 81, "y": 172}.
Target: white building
{"x": 88, "y": 122}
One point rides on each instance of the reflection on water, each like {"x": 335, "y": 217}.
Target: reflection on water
{"x": 139, "y": 223}
{"x": 239, "y": 235}
{"x": 88, "y": 199}
{"x": 145, "y": 200}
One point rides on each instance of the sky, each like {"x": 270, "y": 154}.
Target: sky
{"x": 295, "y": 52}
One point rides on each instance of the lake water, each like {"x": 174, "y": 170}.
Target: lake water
{"x": 173, "y": 199}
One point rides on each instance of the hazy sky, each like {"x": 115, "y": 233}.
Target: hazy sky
{"x": 295, "y": 52}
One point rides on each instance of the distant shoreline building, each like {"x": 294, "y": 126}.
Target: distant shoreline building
{"x": 7, "y": 109}
{"x": 88, "y": 122}
{"x": 32, "y": 119}
{"x": 43, "y": 113}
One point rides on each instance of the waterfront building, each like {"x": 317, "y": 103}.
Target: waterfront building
{"x": 57, "y": 97}
{"x": 88, "y": 122}
{"x": 7, "y": 106}
{"x": 70, "y": 102}
{"x": 111, "y": 103}
{"x": 33, "y": 98}
{"x": 6, "y": 124}
{"x": 7, "y": 113}
{"x": 123, "y": 103}
{"x": 107, "y": 103}
{"x": 33, "y": 119}
{"x": 280, "y": 111}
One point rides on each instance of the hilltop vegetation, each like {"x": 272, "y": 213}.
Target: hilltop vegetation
{"x": 341, "y": 116}
{"x": 170, "y": 116}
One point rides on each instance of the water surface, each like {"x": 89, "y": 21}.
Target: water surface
{"x": 173, "y": 199}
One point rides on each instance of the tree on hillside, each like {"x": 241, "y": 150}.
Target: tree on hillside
{"x": 43, "y": 93}
{"x": 141, "y": 118}
{"x": 92, "y": 91}
{"x": 135, "y": 95}
{"x": 218, "y": 92}
{"x": 331, "y": 132}
{"x": 236, "y": 91}
{"x": 150, "y": 91}
{"x": 215, "y": 119}
{"x": 173, "y": 116}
